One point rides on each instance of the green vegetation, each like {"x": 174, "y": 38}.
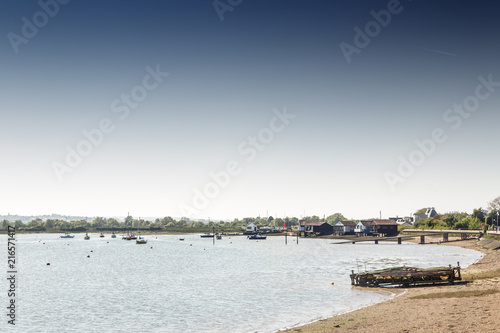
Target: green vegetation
{"x": 166, "y": 224}
{"x": 454, "y": 221}
{"x": 458, "y": 294}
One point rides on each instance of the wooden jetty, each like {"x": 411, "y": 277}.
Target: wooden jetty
{"x": 406, "y": 276}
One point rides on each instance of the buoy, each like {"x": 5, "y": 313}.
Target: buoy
{"x": 332, "y": 283}
{"x": 43, "y": 243}
{"x": 107, "y": 242}
{"x": 151, "y": 247}
{"x": 88, "y": 256}
{"x": 48, "y": 264}
{"x": 91, "y": 250}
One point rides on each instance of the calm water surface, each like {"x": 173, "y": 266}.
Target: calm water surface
{"x": 167, "y": 285}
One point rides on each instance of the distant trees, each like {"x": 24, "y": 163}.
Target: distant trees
{"x": 494, "y": 205}
{"x": 333, "y": 219}
{"x": 421, "y": 211}
{"x": 451, "y": 219}
{"x": 431, "y": 223}
{"x": 479, "y": 214}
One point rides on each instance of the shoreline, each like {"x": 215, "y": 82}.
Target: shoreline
{"x": 464, "y": 307}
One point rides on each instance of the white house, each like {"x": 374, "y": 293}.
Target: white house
{"x": 363, "y": 227}
{"x": 430, "y": 212}
{"x": 344, "y": 227}
{"x": 251, "y": 227}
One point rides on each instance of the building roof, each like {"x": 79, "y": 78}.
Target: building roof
{"x": 384, "y": 222}
{"x": 348, "y": 223}
{"x": 366, "y": 223}
{"x": 313, "y": 223}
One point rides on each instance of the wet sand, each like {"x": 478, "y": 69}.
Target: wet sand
{"x": 406, "y": 314}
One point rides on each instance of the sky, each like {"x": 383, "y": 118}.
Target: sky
{"x": 235, "y": 108}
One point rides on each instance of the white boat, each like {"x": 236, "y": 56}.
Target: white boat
{"x": 141, "y": 240}
{"x": 66, "y": 235}
{"x": 113, "y": 235}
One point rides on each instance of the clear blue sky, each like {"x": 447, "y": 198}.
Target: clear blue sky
{"x": 70, "y": 68}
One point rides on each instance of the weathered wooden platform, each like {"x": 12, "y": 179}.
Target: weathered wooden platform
{"x": 406, "y": 276}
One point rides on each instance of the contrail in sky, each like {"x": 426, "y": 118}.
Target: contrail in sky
{"x": 437, "y": 51}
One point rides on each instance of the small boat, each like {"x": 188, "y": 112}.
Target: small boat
{"x": 101, "y": 235}
{"x": 113, "y": 235}
{"x": 218, "y": 236}
{"x": 257, "y": 236}
{"x": 66, "y": 235}
{"x": 207, "y": 236}
{"x": 141, "y": 240}
{"x": 87, "y": 237}
{"x": 181, "y": 239}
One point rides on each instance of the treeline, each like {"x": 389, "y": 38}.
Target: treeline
{"x": 164, "y": 224}
{"x": 479, "y": 219}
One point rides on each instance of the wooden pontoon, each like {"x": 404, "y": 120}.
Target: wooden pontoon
{"x": 406, "y": 276}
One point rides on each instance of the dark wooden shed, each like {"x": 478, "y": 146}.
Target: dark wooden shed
{"x": 316, "y": 228}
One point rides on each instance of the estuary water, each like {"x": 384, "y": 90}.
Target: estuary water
{"x": 168, "y": 285}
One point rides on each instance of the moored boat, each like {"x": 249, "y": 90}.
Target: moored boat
{"x": 257, "y": 236}
{"x": 141, "y": 240}
{"x": 406, "y": 276}
{"x": 87, "y": 237}
{"x": 207, "y": 236}
{"x": 66, "y": 235}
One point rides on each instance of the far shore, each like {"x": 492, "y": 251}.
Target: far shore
{"x": 472, "y": 305}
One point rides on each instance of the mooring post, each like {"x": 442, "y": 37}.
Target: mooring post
{"x": 422, "y": 239}
{"x": 376, "y": 241}
{"x": 445, "y": 237}
{"x": 399, "y": 240}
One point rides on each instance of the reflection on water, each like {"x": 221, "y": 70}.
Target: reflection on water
{"x": 236, "y": 285}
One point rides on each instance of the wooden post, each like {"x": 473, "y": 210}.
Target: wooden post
{"x": 445, "y": 237}
{"x": 376, "y": 241}
{"x": 399, "y": 240}
{"x": 422, "y": 239}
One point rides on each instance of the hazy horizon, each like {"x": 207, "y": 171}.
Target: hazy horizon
{"x": 186, "y": 109}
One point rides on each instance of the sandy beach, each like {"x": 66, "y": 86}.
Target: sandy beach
{"x": 470, "y": 306}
